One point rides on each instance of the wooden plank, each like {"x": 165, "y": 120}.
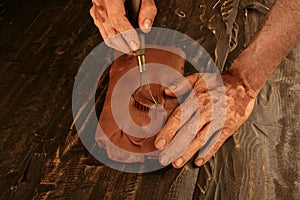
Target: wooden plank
{"x": 43, "y": 158}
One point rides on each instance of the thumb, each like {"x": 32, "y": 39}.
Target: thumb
{"x": 147, "y": 14}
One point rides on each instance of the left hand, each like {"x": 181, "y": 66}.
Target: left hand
{"x": 115, "y": 28}
{"x": 186, "y": 131}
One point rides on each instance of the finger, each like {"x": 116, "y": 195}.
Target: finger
{"x": 177, "y": 119}
{"x": 98, "y": 21}
{"x": 181, "y": 141}
{"x": 129, "y": 34}
{"x": 208, "y": 147}
{"x": 211, "y": 147}
{"x": 118, "y": 20}
{"x": 111, "y": 37}
{"x": 117, "y": 42}
{"x": 99, "y": 14}
{"x": 205, "y": 139}
{"x": 182, "y": 86}
{"x": 147, "y": 14}
{"x": 196, "y": 144}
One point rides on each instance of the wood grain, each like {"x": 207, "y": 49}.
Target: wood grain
{"x": 42, "y": 45}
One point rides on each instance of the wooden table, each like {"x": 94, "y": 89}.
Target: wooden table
{"x": 42, "y": 45}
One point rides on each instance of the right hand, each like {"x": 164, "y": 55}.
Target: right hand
{"x": 217, "y": 107}
{"x": 116, "y": 30}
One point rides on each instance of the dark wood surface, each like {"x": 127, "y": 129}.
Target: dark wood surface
{"x": 42, "y": 45}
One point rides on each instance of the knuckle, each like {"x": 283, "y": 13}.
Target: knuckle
{"x": 154, "y": 9}
{"x": 185, "y": 112}
{"x": 177, "y": 116}
{"x": 129, "y": 35}
{"x": 188, "y": 155}
{"x": 115, "y": 21}
{"x": 120, "y": 21}
{"x": 94, "y": 2}
{"x": 97, "y": 2}
{"x": 97, "y": 16}
{"x": 198, "y": 76}
{"x": 201, "y": 140}
{"x": 92, "y": 11}
{"x": 111, "y": 33}
{"x": 150, "y": 7}
{"x": 193, "y": 100}
{"x": 191, "y": 129}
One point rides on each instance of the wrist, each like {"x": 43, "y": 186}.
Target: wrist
{"x": 249, "y": 73}
{"x": 272, "y": 42}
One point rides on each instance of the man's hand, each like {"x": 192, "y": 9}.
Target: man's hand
{"x": 187, "y": 131}
{"x": 116, "y": 30}
{"x": 184, "y": 134}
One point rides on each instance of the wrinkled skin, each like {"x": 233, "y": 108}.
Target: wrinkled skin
{"x": 236, "y": 107}
{"x": 270, "y": 45}
{"x": 116, "y": 30}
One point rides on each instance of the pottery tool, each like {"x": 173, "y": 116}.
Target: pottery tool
{"x": 133, "y": 7}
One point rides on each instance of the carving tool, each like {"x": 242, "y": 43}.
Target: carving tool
{"x": 133, "y": 7}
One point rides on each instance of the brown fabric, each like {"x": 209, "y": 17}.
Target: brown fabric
{"x": 139, "y": 108}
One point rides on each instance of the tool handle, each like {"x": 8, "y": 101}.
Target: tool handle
{"x": 133, "y": 9}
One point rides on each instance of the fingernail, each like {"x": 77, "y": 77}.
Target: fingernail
{"x": 199, "y": 161}
{"x": 164, "y": 159}
{"x": 147, "y": 23}
{"x": 133, "y": 46}
{"x": 179, "y": 162}
{"x": 172, "y": 87}
{"x": 160, "y": 143}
